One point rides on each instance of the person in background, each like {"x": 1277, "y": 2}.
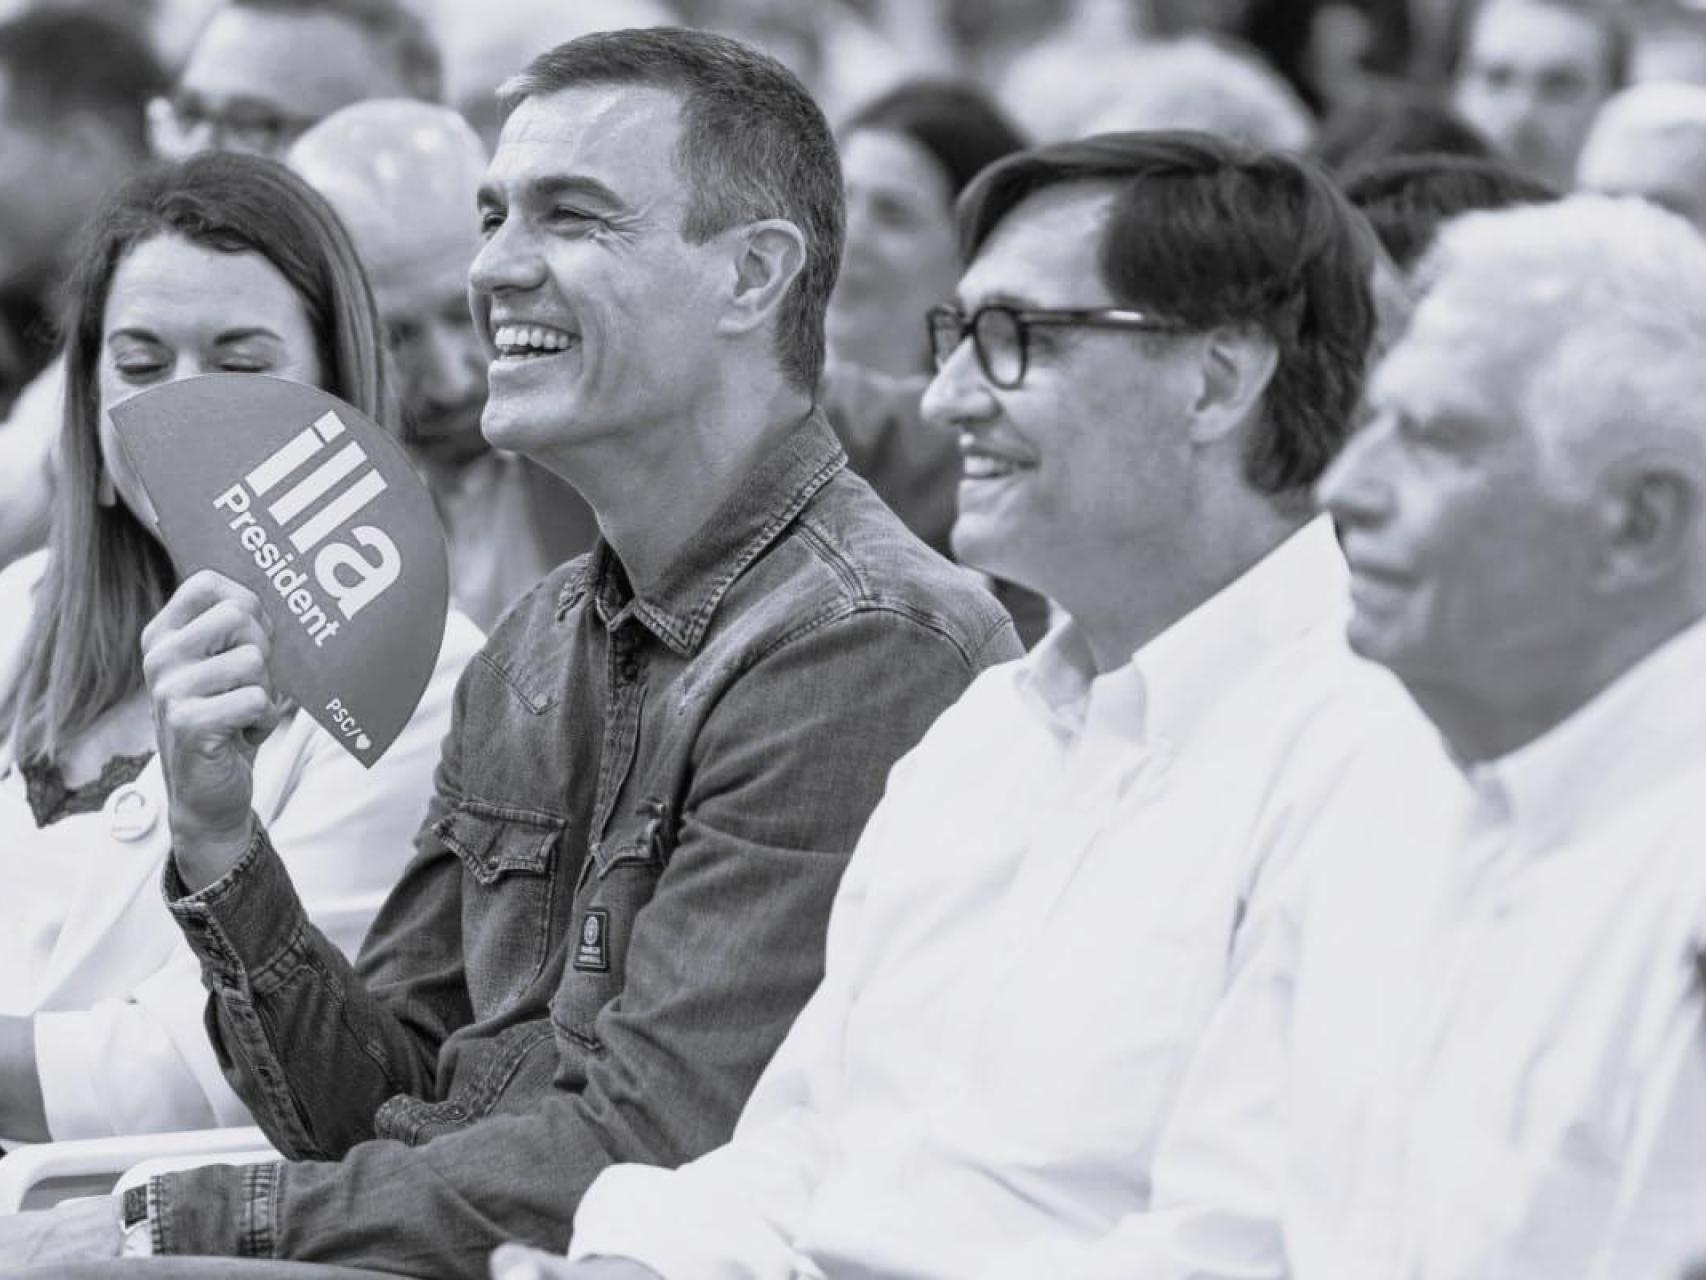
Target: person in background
{"x": 402, "y": 175}
{"x": 74, "y": 90}
{"x": 1389, "y": 125}
{"x": 1195, "y": 82}
{"x": 225, "y": 264}
{"x": 1156, "y": 346}
{"x": 1406, "y": 200}
{"x": 1669, "y": 43}
{"x": 905, "y": 158}
{"x": 483, "y": 44}
{"x": 1650, "y": 141}
{"x": 656, "y": 768}
{"x": 263, "y": 71}
{"x": 1534, "y": 72}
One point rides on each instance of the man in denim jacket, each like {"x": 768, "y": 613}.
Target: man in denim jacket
{"x": 658, "y": 765}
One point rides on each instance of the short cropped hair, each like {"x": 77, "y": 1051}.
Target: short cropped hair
{"x": 754, "y": 145}
{"x": 1615, "y": 32}
{"x": 395, "y": 29}
{"x": 59, "y": 63}
{"x": 1209, "y": 232}
{"x": 1408, "y": 199}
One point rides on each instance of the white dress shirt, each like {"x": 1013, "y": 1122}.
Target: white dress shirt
{"x": 87, "y": 947}
{"x": 1038, "y": 920}
{"x": 1484, "y": 1010}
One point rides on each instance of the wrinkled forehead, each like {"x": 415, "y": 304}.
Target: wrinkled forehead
{"x": 621, "y": 136}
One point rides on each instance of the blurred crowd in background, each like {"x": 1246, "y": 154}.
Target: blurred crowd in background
{"x": 923, "y": 93}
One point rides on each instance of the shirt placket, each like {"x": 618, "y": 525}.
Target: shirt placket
{"x": 1471, "y": 916}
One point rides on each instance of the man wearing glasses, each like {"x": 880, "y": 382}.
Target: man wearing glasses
{"x": 264, "y": 71}
{"x": 1155, "y": 350}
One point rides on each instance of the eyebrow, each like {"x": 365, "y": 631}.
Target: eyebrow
{"x": 224, "y": 338}
{"x": 541, "y": 189}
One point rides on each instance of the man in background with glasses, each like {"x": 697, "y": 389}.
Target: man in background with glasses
{"x": 1156, "y": 349}
{"x": 264, "y": 71}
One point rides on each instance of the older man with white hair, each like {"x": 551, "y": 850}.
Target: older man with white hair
{"x": 1473, "y": 1043}
{"x": 1650, "y": 141}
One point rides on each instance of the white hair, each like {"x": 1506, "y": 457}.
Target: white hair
{"x": 1603, "y": 301}
{"x": 1196, "y": 83}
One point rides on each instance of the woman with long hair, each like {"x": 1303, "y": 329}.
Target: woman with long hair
{"x": 220, "y": 264}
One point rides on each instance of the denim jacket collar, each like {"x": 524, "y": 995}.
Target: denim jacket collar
{"x": 678, "y": 606}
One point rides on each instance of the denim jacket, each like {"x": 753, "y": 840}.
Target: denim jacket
{"x": 617, "y": 900}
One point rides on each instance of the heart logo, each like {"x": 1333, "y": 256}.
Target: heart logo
{"x": 362, "y": 742}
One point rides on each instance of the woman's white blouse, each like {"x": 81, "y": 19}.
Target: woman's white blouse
{"x": 86, "y": 943}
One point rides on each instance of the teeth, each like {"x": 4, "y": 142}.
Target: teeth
{"x": 521, "y": 339}
{"x": 980, "y": 466}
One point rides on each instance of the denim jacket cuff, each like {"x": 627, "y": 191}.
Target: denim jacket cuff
{"x": 245, "y": 921}
{"x": 221, "y": 1210}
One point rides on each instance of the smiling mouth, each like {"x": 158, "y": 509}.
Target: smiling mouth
{"x": 531, "y": 341}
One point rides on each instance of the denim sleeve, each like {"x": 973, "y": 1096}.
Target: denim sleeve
{"x": 310, "y": 1046}
{"x": 788, "y": 767}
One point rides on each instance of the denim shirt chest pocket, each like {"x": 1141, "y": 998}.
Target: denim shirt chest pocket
{"x": 509, "y": 860}
{"x": 617, "y": 880}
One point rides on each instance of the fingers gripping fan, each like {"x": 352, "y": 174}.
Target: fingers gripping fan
{"x": 316, "y": 509}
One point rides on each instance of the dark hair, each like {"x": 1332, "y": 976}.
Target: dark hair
{"x": 753, "y": 145}
{"x": 107, "y": 574}
{"x": 1407, "y": 199}
{"x": 958, "y": 124}
{"x": 59, "y": 63}
{"x": 1615, "y": 33}
{"x": 1386, "y": 125}
{"x": 395, "y": 29}
{"x": 1210, "y": 232}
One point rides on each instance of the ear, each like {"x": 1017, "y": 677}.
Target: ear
{"x": 1653, "y": 508}
{"x": 768, "y": 257}
{"x": 1237, "y": 366}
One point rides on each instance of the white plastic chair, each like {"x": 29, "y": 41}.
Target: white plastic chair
{"x": 37, "y": 1177}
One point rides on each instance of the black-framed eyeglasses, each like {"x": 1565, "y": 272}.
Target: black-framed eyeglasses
{"x": 1001, "y": 335}
{"x": 185, "y": 122}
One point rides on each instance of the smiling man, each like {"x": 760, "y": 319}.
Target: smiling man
{"x": 402, "y": 176}
{"x": 1156, "y": 347}
{"x": 658, "y": 765}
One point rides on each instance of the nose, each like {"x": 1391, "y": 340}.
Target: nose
{"x": 1356, "y": 488}
{"x": 509, "y": 260}
{"x": 958, "y": 397}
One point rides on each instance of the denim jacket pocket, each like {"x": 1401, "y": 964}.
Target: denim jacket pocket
{"x": 509, "y": 863}
{"x": 617, "y": 880}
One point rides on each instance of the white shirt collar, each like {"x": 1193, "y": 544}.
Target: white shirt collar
{"x": 1634, "y": 734}
{"x": 1173, "y": 682}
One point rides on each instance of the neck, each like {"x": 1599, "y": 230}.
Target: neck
{"x": 1534, "y": 696}
{"x": 1159, "y": 585}
{"x": 654, "y": 488}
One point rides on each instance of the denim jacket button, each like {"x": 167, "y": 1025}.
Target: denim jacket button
{"x": 131, "y": 813}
